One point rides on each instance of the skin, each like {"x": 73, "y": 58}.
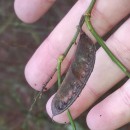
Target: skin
{"x": 112, "y": 112}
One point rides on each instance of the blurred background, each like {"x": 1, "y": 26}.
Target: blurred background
{"x": 18, "y": 41}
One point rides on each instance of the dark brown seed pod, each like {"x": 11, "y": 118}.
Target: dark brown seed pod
{"x": 76, "y": 77}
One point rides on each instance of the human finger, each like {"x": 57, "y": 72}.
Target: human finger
{"x": 113, "y": 112}
{"x": 105, "y": 74}
{"x": 44, "y": 60}
{"x": 30, "y": 11}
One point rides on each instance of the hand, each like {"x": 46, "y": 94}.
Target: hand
{"x": 114, "y": 111}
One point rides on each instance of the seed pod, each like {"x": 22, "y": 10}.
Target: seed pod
{"x": 76, "y": 77}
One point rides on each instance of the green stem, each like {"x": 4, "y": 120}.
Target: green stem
{"x": 60, "y": 60}
{"x": 101, "y": 42}
{"x": 71, "y": 120}
{"x": 75, "y": 36}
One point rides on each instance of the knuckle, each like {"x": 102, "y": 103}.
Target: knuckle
{"x": 93, "y": 92}
{"x": 125, "y": 94}
{"x": 101, "y": 22}
{"x": 121, "y": 50}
